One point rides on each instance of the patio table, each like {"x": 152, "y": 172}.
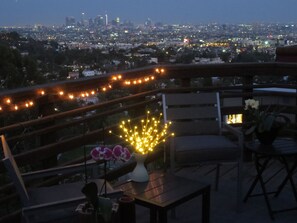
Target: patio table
{"x": 165, "y": 191}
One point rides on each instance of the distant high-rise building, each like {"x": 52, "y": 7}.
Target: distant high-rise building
{"x": 99, "y": 20}
{"x": 148, "y": 22}
{"x": 116, "y": 22}
{"x": 106, "y": 19}
{"x": 83, "y": 22}
{"x": 91, "y": 22}
{"x": 70, "y": 21}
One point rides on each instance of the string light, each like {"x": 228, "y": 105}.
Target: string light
{"x": 119, "y": 77}
{"x": 8, "y": 101}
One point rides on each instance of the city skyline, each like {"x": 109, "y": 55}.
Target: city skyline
{"x": 53, "y": 12}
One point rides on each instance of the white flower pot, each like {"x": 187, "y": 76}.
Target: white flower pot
{"x": 140, "y": 174}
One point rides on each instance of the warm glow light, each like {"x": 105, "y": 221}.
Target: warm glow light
{"x": 145, "y": 136}
{"x": 234, "y": 119}
{"x": 108, "y": 86}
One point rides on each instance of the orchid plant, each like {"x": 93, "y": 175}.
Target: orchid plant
{"x": 263, "y": 120}
{"x": 102, "y": 205}
{"x": 118, "y": 153}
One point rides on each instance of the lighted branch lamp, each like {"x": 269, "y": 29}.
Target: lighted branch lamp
{"x": 144, "y": 137}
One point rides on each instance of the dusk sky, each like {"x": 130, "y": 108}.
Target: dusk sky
{"x": 53, "y": 12}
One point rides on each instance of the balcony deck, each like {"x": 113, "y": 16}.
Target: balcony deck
{"x": 223, "y": 201}
{"x": 47, "y": 134}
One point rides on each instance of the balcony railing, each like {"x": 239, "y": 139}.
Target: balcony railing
{"x": 38, "y": 141}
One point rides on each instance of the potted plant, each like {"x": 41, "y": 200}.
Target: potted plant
{"x": 265, "y": 124}
{"x": 99, "y": 207}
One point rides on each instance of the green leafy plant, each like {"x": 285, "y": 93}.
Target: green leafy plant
{"x": 263, "y": 120}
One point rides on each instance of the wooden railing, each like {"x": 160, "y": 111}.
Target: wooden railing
{"x": 39, "y": 141}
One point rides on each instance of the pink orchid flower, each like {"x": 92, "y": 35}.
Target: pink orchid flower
{"x": 101, "y": 153}
{"x": 121, "y": 153}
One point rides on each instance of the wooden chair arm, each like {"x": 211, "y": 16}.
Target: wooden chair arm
{"x": 59, "y": 170}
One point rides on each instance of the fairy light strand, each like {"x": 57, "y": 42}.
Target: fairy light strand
{"x": 8, "y": 104}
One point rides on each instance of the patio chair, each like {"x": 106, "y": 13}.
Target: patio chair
{"x": 43, "y": 203}
{"x": 196, "y": 122}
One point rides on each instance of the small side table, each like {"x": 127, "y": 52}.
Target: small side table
{"x": 165, "y": 191}
{"x": 283, "y": 150}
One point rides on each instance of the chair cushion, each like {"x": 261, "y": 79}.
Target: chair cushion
{"x": 199, "y": 148}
